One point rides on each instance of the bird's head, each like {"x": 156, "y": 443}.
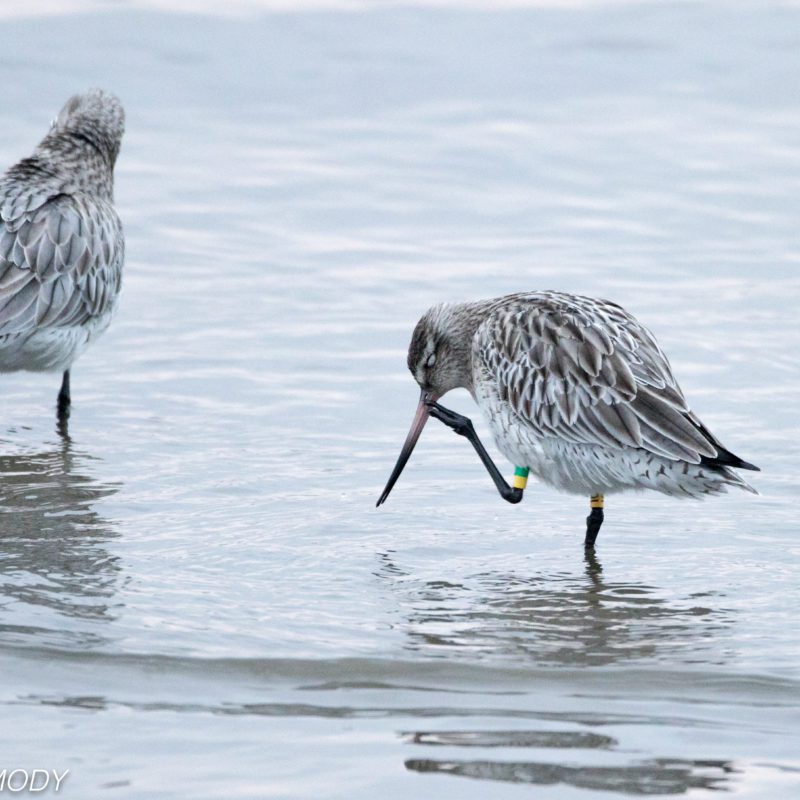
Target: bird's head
{"x": 95, "y": 116}
{"x": 439, "y": 360}
{"x": 439, "y": 353}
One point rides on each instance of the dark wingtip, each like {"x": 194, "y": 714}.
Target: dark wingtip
{"x": 728, "y": 459}
{"x": 725, "y": 458}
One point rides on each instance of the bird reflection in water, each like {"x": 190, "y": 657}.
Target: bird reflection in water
{"x": 561, "y": 619}
{"x": 564, "y": 620}
{"x": 658, "y": 776}
{"x": 57, "y": 579}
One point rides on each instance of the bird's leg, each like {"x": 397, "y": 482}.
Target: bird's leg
{"x": 594, "y": 520}
{"x": 64, "y": 397}
{"x": 463, "y": 427}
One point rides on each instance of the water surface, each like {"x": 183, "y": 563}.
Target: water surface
{"x": 198, "y": 597}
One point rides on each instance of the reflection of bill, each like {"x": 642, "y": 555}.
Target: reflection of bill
{"x": 34, "y": 780}
{"x": 53, "y": 557}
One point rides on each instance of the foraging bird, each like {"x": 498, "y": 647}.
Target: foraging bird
{"x": 61, "y": 241}
{"x": 575, "y": 390}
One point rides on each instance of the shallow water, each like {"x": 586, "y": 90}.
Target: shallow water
{"x": 197, "y": 595}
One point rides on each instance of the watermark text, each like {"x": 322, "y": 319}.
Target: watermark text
{"x": 30, "y": 780}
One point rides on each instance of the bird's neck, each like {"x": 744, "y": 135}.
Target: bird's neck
{"x": 80, "y": 164}
{"x": 463, "y": 321}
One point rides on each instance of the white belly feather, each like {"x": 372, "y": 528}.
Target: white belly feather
{"x": 49, "y": 349}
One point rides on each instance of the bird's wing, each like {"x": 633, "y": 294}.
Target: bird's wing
{"x": 587, "y": 372}
{"x": 60, "y": 265}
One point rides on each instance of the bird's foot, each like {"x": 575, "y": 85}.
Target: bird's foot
{"x": 593, "y": 523}
{"x": 63, "y": 407}
{"x": 64, "y": 398}
{"x": 511, "y": 494}
{"x": 62, "y": 427}
{"x": 458, "y": 422}
{"x": 62, "y": 415}
{"x": 463, "y": 427}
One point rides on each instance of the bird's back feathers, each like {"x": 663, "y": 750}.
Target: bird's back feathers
{"x": 587, "y": 372}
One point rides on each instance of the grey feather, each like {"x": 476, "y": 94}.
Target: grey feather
{"x": 58, "y": 224}
{"x": 596, "y": 373}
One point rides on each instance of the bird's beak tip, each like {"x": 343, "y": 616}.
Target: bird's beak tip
{"x": 418, "y": 423}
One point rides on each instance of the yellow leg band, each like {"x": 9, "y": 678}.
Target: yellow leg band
{"x": 520, "y": 477}
{"x": 596, "y": 501}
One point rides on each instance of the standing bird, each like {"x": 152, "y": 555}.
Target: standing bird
{"x": 575, "y": 390}
{"x": 61, "y": 241}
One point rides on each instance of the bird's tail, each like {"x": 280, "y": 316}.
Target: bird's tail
{"x": 732, "y": 478}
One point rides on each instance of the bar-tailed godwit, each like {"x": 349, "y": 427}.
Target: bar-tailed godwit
{"x": 575, "y": 391}
{"x": 61, "y": 242}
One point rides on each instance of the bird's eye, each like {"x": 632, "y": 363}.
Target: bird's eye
{"x": 431, "y": 360}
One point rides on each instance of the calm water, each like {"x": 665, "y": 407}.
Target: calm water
{"x": 197, "y": 595}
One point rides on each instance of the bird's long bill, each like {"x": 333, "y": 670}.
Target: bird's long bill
{"x": 418, "y": 423}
